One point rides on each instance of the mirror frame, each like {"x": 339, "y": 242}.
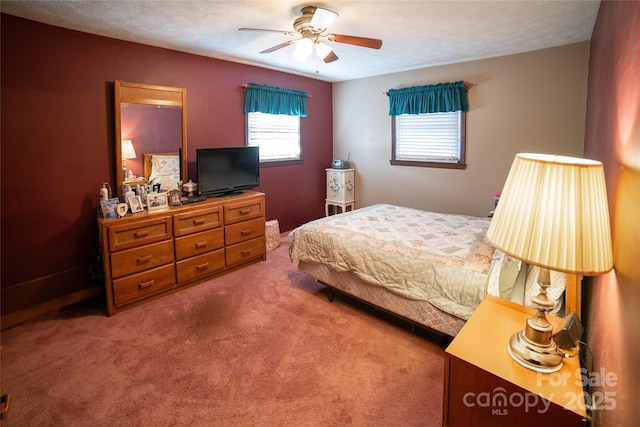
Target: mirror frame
{"x": 139, "y": 93}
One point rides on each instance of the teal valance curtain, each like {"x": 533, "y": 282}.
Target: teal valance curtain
{"x": 438, "y": 98}
{"x": 275, "y": 100}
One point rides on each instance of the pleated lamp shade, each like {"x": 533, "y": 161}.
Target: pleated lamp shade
{"x": 128, "y": 152}
{"x": 553, "y": 213}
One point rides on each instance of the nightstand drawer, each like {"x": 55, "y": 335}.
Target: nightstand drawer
{"x": 242, "y": 211}
{"x": 141, "y": 259}
{"x": 199, "y": 243}
{"x": 244, "y": 231}
{"x": 141, "y": 285}
{"x": 193, "y": 222}
{"x": 237, "y": 254}
{"x": 199, "y": 266}
{"x": 133, "y": 234}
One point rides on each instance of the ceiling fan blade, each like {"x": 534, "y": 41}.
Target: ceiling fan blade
{"x": 330, "y": 57}
{"x": 355, "y": 40}
{"x": 286, "y": 33}
{"x": 280, "y": 46}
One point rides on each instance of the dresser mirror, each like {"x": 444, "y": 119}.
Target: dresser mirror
{"x": 149, "y": 120}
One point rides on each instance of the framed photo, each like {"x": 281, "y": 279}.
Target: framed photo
{"x": 157, "y": 201}
{"x": 174, "y": 198}
{"x": 108, "y": 207}
{"x": 135, "y": 203}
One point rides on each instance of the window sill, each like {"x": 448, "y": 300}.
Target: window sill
{"x": 272, "y": 163}
{"x": 428, "y": 164}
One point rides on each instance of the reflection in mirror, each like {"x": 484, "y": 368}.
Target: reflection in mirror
{"x": 151, "y": 129}
{"x": 153, "y": 118}
{"x": 162, "y": 169}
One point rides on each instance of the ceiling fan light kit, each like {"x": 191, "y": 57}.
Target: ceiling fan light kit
{"x": 309, "y": 30}
{"x": 304, "y": 47}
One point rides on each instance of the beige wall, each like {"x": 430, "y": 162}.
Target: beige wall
{"x": 533, "y": 102}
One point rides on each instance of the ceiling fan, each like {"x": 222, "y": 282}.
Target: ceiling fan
{"x": 309, "y": 35}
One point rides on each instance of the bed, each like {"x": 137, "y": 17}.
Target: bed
{"x": 430, "y": 268}
{"x": 163, "y": 169}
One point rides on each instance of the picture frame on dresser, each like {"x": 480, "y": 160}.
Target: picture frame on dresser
{"x": 157, "y": 201}
{"x": 174, "y": 198}
{"x": 135, "y": 203}
{"x": 108, "y": 207}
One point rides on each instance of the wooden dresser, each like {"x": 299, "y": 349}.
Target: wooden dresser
{"x": 151, "y": 254}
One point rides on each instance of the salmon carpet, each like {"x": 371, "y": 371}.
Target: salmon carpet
{"x": 261, "y": 346}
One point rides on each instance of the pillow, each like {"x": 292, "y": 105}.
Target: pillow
{"x": 555, "y": 292}
{"x": 503, "y": 273}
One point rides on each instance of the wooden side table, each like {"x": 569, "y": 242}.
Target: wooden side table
{"x": 484, "y": 386}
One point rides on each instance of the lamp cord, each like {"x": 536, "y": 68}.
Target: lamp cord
{"x": 585, "y": 359}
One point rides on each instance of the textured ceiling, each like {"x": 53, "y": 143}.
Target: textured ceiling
{"x": 415, "y": 34}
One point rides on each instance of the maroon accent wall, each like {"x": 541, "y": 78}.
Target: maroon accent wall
{"x": 58, "y": 138}
{"x": 612, "y": 301}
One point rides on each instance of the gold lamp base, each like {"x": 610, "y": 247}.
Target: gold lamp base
{"x": 544, "y": 359}
{"x": 534, "y": 347}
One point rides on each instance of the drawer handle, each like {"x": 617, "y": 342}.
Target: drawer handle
{"x": 245, "y": 211}
{"x": 143, "y": 259}
{"x": 246, "y": 252}
{"x": 141, "y": 233}
{"x": 199, "y": 221}
{"x": 145, "y": 285}
{"x": 246, "y": 231}
{"x": 202, "y": 266}
{"x": 201, "y": 245}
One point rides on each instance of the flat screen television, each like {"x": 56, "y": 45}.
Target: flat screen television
{"x": 227, "y": 171}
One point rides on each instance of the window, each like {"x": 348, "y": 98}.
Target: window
{"x": 277, "y": 135}
{"x": 429, "y": 139}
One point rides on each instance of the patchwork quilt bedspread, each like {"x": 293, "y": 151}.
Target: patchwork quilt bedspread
{"x": 440, "y": 258}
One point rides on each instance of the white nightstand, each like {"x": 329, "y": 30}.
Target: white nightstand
{"x": 341, "y": 191}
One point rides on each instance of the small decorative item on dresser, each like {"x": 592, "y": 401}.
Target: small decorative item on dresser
{"x": 157, "y": 201}
{"x": 105, "y": 191}
{"x": 174, "y": 198}
{"x": 121, "y": 209}
{"x": 108, "y": 207}
{"x": 135, "y": 202}
{"x": 190, "y": 188}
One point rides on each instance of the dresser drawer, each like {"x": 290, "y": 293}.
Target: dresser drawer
{"x": 237, "y": 254}
{"x": 200, "y": 266}
{"x": 195, "y": 221}
{"x": 242, "y": 211}
{"x": 199, "y": 243}
{"x": 138, "y": 233}
{"x": 243, "y": 231}
{"x": 140, "y": 259}
{"x": 141, "y": 285}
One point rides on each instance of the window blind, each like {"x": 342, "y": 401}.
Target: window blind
{"x": 428, "y": 137}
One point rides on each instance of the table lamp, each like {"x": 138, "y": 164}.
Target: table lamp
{"x": 128, "y": 152}
{"x": 553, "y": 214}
